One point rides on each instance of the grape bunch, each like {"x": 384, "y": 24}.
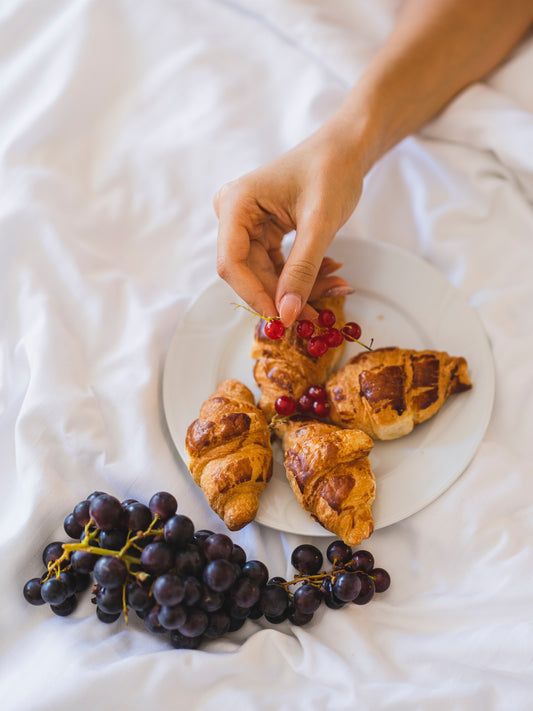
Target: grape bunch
{"x": 192, "y": 585}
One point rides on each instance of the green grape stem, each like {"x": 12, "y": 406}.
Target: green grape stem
{"x": 90, "y": 535}
{"x": 91, "y": 532}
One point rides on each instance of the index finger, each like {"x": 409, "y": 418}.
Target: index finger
{"x": 233, "y": 252}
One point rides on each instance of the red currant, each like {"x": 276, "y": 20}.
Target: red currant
{"x": 305, "y": 403}
{"x": 317, "y": 392}
{"x": 333, "y": 337}
{"x": 317, "y": 346}
{"x": 285, "y": 405}
{"x": 274, "y": 329}
{"x": 326, "y": 318}
{"x": 305, "y": 329}
{"x": 351, "y": 331}
{"x": 321, "y": 408}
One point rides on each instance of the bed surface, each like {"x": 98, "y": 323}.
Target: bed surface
{"x": 118, "y": 123}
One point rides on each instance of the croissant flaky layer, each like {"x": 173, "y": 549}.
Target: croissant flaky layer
{"x": 329, "y": 471}
{"x": 284, "y": 367}
{"x": 386, "y": 392}
{"x": 230, "y": 455}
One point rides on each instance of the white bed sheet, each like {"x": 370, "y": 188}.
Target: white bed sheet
{"x": 118, "y": 122}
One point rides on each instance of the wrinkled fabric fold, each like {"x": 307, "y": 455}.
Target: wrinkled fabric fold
{"x": 118, "y": 123}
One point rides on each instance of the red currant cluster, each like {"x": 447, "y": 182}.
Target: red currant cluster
{"x": 320, "y": 336}
{"x": 314, "y": 401}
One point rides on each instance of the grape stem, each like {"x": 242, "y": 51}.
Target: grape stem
{"x": 318, "y": 578}
{"x": 85, "y": 545}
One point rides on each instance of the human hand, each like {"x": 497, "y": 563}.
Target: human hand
{"x": 312, "y": 189}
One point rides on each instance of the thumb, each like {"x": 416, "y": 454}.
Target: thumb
{"x": 300, "y": 272}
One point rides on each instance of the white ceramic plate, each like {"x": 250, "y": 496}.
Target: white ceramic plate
{"x": 399, "y": 300}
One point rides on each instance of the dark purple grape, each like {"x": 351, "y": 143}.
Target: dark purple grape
{"x": 330, "y": 599}
{"x": 127, "y": 502}
{"x": 200, "y": 535}
{"x": 190, "y": 561}
{"x": 137, "y": 517}
{"x": 72, "y": 528}
{"x": 367, "y": 590}
{"x": 195, "y": 623}
{"x": 338, "y": 553}
{"x": 83, "y": 561}
{"x": 107, "y": 617}
{"x": 52, "y": 552}
{"x": 68, "y": 578}
{"x": 217, "y": 546}
{"x": 361, "y": 560}
{"x": 151, "y": 620}
{"x": 32, "y": 592}
{"x": 257, "y": 571}
{"x": 245, "y": 592}
{"x": 179, "y": 531}
{"x": 81, "y": 512}
{"x": 82, "y": 581}
{"x": 307, "y": 599}
{"x": 238, "y": 555}
{"x": 157, "y": 558}
{"x": 169, "y": 589}
{"x": 54, "y": 591}
{"x": 220, "y": 575}
{"x": 347, "y": 587}
{"x": 274, "y": 601}
{"x": 110, "y": 601}
{"x": 211, "y": 601}
{"x": 94, "y": 495}
{"x": 192, "y": 590}
{"x": 276, "y": 580}
{"x": 66, "y": 608}
{"x": 138, "y": 598}
{"x": 180, "y": 641}
{"x": 381, "y": 579}
{"x": 163, "y": 505}
{"x": 299, "y": 618}
{"x": 307, "y": 559}
{"x": 279, "y": 618}
{"x": 113, "y": 540}
{"x": 106, "y": 512}
{"x": 235, "y": 623}
{"x": 255, "y": 612}
{"x": 110, "y": 571}
{"x": 218, "y": 625}
{"x": 171, "y": 617}
{"x": 236, "y": 611}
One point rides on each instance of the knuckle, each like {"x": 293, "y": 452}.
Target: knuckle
{"x": 230, "y": 193}
{"x": 222, "y": 268}
{"x": 302, "y": 271}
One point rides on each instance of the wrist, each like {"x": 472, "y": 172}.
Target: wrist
{"x": 355, "y": 129}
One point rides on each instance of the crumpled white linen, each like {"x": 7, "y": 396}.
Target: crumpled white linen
{"x": 118, "y": 123}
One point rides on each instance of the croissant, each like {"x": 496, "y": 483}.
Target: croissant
{"x": 284, "y": 367}
{"x": 386, "y": 392}
{"x": 230, "y": 455}
{"x": 329, "y": 472}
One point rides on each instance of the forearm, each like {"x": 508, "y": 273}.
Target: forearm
{"x": 437, "y": 48}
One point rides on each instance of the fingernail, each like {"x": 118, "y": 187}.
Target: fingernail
{"x": 289, "y": 308}
{"x": 339, "y": 291}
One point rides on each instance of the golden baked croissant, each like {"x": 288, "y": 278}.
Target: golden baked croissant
{"x": 329, "y": 472}
{"x": 230, "y": 455}
{"x": 284, "y": 367}
{"x": 386, "y": 392}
